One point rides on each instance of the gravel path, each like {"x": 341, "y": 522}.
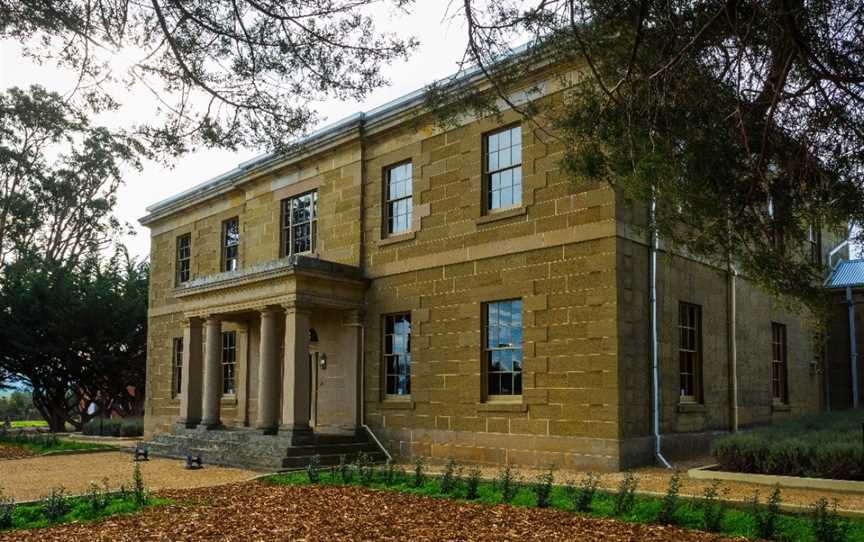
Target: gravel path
{"x": 254, "y": 512}
{"x": 31, "y": 478}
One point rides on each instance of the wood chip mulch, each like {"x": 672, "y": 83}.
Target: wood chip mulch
{"x": 252, "y": 512}
{"x": 15, "y": 452}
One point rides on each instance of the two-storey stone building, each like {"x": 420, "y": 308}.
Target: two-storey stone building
{"x": 455, "y": 291}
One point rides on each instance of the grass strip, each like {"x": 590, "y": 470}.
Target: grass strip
{"x": 47, "y": 443}
{"x": 688, "y": 514}
{"x": 32, "y": 516}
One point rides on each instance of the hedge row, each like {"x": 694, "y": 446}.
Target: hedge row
{"x": 820, "y": 446}
{"x": 115, "y": 427}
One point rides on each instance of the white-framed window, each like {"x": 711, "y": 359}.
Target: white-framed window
{"x": 779, "y": 363}
{"x": 502, "y": 168}
{"x": 398, "y": 197}
{"x": 503, "y": 347}
{"x": 690, "y": 352}
{"x": 184, "y": 258}
{"x": 299, "y": 223}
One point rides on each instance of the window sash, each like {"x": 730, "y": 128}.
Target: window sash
{"x": 690, "y": 351}
{"x": 398, "y": 197}
{"x": 397, "y": 354}
{"x": 229, "y": 362}
{"x": 300, "y": 223}
{"x": 779, "y": 363}
{"x": 177, "y": 366}
{"x": 230, "y": 244}
{"x": 502, "y": 347}
{"x": 502, "y": 168}
{"x": 184, "y": 258}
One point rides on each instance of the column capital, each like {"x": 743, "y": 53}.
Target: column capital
{"x": 295, "y": 306}
{"x": 268, "y": 310}
{"x": 191, "y": 321}
{"x": 212, "y": 318}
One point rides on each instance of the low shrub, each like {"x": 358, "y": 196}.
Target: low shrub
{"x": 419, "y": 472}
{"x": 472, "y": 484}
{"x": 507, "y": 482}
{"x": 826, "y": 524}
{"x": 669, "y": 504}
{"x": 450, "y": 478}
{"x": 365, "y": 469}
{"x": 55, "y": 505}
{"x": 98, "y": 498}
{"x": 114, "y": 427}
{"x": 345, "y": 470}
{"x": 826, "y": 445}
{"x": 7, "y": 511}
{"x": 765, "y": 518}
{"x": 313, "y": 469}
{"x": 543, "y": 488}
{"x": 139, "y": 490}
{"x": 713, "y": 507}
{"x": 582, "y": 496}
{"x": 625, "y": 497}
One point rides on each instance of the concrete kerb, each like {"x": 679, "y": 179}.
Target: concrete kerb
{"x": 709, "y": 472}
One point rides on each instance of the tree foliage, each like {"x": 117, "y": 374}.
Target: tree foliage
{"x": 743, "y": 120}
{"x": 59, "y": 177}
{"x": 75, "y": 334}
{"x": 228, "y": 73}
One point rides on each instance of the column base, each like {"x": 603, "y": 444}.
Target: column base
{"x": 210, "y": 426}
{"x": 272, "y": 430}
{"x": 187, "y": 424}
{"x": 297, "y": 434}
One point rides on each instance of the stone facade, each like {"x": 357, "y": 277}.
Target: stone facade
{"x": 568, "y": 252}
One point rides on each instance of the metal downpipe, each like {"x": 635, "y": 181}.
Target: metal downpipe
{"x": 655, "y": 368}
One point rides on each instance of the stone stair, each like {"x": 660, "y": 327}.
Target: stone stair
{"x": 250, "y": 449}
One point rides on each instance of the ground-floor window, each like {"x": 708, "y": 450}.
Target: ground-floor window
{"x": 690, "y": 351}
{"x": 779, "y": 388}
{"x": 177, "y": 366}
{"x": 397, "y": 354}
{"x": 229, "y": 362}
{"x": 503, "y": 347}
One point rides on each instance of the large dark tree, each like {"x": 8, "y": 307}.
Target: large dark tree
{"x": 743, "y": 120}
{"x": 75, "y": 334}
{"x": 227, "y": 73}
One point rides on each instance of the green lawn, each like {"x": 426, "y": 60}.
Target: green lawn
{"x": 78, "y": 509}
{"x": 48, "y": 443}
{"x": 29, "y": 423}
{"x": 688, "y": 512}
{"x": 827, "y": 445}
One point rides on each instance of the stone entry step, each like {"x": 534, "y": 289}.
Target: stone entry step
{"x": 249, "y": 449}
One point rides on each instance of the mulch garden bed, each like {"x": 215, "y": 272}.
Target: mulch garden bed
{"x": 15, "y": 452}
{"x": 257, "y": 512}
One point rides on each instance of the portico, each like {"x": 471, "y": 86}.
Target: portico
{"x": 272, "y": 382}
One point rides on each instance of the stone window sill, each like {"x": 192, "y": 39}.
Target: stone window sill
{"x": 398, "y": 238}
{"x": 503, "y": 406}
{"x": 494, "y": 216}
{"x": 229, "y": 400}
{"x": 691, "y": 408}
{"x": 397, "y": 404}
{"x": 780, "y": 407}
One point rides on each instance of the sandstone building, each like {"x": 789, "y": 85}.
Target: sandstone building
{"x": 456, "y": 292}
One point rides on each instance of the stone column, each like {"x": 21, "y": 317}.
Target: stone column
{"x": 190, "y": 392}
{"x": 212, "y": 375}
{"x": 268, "y": 373}
{"x": 296, "y": 391}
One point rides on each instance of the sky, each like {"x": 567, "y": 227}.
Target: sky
{"x": 442, "y": 42}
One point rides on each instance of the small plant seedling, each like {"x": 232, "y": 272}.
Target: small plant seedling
{"x": 472, "y": 485}
{"x": 419, "y": 472}
{"x": 7, "y": 511}
{"x": 365, "y": 469}
{"x": 826, "y": 523}
{"x": 582, "y": 496}
{"x": 313, "y": 469}
{"x": 450, "y": 478}
{"x": 543, "y": 488}
{"x": 55, "y": 505}
{"x": 345, "y": 470}
{"x": 507, "y": 483}
{"x": 714, "y": 507}
{"x": 139, "y": 490}
{"x": 669, "y": 505}
{"x": 765, "y": 518}
{"x": 96, "y": 498}
{"x": 625, "y": 497}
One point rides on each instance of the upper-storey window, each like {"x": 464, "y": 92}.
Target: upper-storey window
{"x": 502, "y": 168}
{"x": 184, "y": 258}
{"x": 503, "y": 351}
{"x": 398, "y": 197}
{"x": 813, "y": 241}
{"x": 230, "y": 244}
{"x": 299, "y": 223}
